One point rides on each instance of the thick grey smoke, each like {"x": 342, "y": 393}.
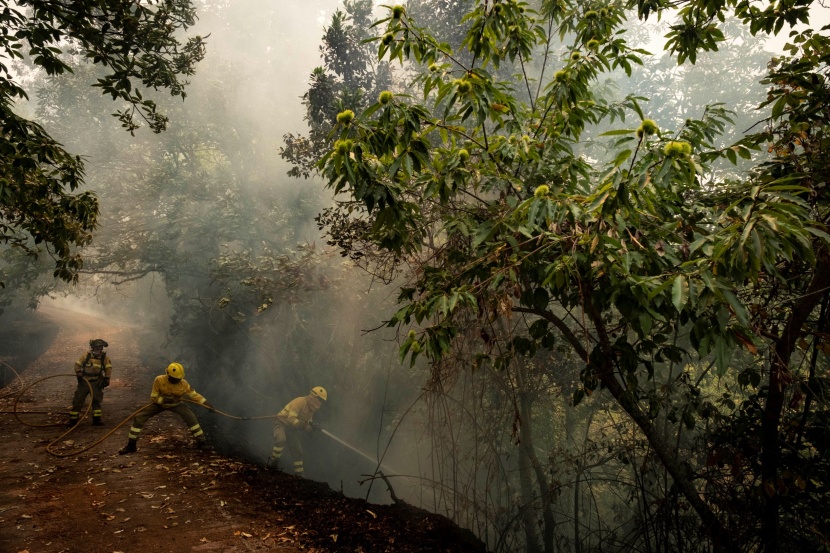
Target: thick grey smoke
{"x": 246, "y": 96}
{"x": 260, "y": 56}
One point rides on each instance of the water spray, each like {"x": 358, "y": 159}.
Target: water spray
{"x": 373, "y": 460}
{"x": 366, "y": 455}
{"x": 380, "y": 468}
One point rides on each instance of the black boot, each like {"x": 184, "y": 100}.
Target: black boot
{"x": 129, "y": 448}
{"x": 97, "y": 421}
{"x": 72, "y": 423}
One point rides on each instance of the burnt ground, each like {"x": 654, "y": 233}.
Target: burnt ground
{"x": 167, "y": 497}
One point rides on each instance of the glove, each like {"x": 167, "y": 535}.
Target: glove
{"x": 80, "y": 378}
{"x": 160, "y": 400}
{"x": 105, "y": 382}
{"x": 315, "y": 426}
{"x": 209, "y": 406}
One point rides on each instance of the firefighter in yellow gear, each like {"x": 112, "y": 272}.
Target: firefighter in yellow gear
{"x": 167, "y": 394}
{"x": 94, "y": 367}
{"x": 294, "y": 417}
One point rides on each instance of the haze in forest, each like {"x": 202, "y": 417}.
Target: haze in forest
{"x": 587, "y": 312}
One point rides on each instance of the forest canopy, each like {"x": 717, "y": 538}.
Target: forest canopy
{"x": 536, "y": 217}
{"x": 140, "y": 46}
{"x": 610, "y": 262}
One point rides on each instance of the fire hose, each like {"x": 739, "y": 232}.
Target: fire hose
{"x": 49, "y": 446}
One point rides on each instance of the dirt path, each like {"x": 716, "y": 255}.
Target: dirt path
{"x": 168, "y": 497}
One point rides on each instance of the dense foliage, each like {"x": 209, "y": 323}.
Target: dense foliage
{"x": 203, "y": 238}
{"x": 613, "y": 267}
{"x": 141, "y": 47}
{"x": 643, "y": 263}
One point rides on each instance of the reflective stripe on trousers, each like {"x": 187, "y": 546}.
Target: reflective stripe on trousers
{"x": 79, "y": 398}
{"x": 154, "y": 409}
{"x": 276, "y": 453}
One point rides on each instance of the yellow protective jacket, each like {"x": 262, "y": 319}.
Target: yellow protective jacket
{"x": 167, "y": 394}
{"x": 299, "y": 412}
{"x": 91, "y": 368}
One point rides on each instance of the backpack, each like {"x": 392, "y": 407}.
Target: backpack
{"x": 86, "y": 361}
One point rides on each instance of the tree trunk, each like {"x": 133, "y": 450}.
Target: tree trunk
{"x": 577, "y": 521}
{"x": 779, "y": 381}
{"x": 525, "y": 410}
{"x": 528, "y": 519}
{"x": 681, "y": 473}
{"x": 528, "y": 458}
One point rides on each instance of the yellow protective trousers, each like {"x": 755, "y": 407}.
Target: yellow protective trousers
{"x": 287, "y": 435}
{"x": 154, "y": 409}
{"x": 80, "y": 397}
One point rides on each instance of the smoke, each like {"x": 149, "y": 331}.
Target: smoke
{"x": 26, "y": 335}
{"x": 214, "y": 185}
{"x": 272, "y": 49}
{"x": 319, "y": 343}
{"x": 195, "y": 219}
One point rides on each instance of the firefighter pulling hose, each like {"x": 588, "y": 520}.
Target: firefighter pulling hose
{"x": 171, "y": 392}
{"x": 295, "y": 416}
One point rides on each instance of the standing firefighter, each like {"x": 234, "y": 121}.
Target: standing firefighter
{"x": 167, "y": 394}
{"x": 294, "y": 417}
{"x": 94, "y": 367}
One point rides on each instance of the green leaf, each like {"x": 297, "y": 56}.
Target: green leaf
{"x": 779, "y": 106}
{"x": 618, "y": 132}
{"x": 645, "y": 323}
{"x": 737, "y": 307}
{"x": 621, "y": 157}
{"x": 659, "y": 289}
{"x": 723, "y": 355}
{"x": 484, "y": 232}
{"x": 635, "y": 105}
{"x": 680, "y": 292}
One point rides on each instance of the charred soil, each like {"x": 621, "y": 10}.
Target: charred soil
{"x": 167, "y": 497}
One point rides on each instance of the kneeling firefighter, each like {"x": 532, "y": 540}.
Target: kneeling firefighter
{"x": 167, "y": 394}
{"x": 296, "y": 416}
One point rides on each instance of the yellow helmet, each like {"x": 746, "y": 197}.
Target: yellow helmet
{"x": 175, "y": 370}
{"x": 319, "y": 391}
